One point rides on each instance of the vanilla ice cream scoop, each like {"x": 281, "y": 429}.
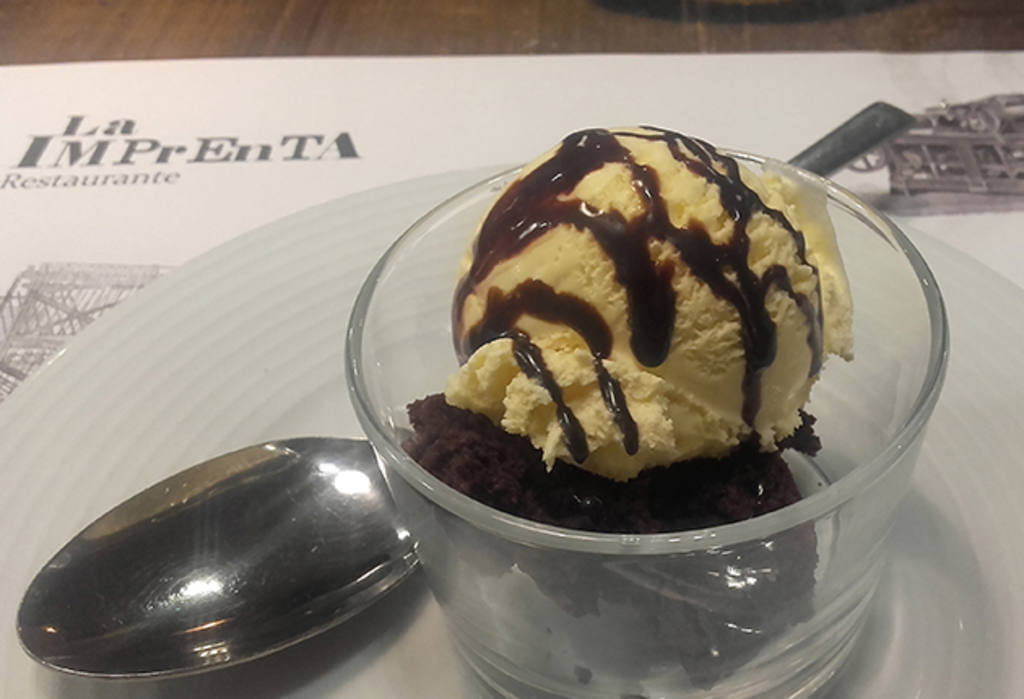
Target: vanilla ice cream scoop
{"x": 634, "y": 298}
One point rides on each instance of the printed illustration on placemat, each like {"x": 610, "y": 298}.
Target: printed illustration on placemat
{"x": 49, "y": 303}
{"x": 957, "y": 158}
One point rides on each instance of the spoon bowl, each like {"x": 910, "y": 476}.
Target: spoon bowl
{"x": 224, "y": 562}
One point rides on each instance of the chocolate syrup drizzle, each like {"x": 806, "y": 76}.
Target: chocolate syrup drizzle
{"x": 535, "y": 298}
{"x": 540, "y": 201}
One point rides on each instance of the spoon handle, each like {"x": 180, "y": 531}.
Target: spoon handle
{"x": 857, "y": 135}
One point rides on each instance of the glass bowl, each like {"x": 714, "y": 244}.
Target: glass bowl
{"x": 767, "y": 606}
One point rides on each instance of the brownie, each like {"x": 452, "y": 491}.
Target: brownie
{"x": 452, "y": 444}
{"x": 680, "y": 616}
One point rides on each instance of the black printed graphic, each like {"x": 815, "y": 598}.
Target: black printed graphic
{"x": 50, "y": 303}
{"x": 109, "y": 153}
{"x": 957, "y": 158}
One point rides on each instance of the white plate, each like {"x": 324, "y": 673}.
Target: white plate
{"x": 245, "y": 344}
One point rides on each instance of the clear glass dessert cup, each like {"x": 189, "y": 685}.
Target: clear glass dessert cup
{"x": 770, "y": 606}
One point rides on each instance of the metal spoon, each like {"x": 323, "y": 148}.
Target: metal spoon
{"x": 856, "y": 136}
{"x": 229, "y": 560}
{"x": 256, "y": 550}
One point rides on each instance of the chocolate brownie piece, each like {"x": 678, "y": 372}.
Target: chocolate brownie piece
{"x": 474, "y": 456}
{"x": 710, "y": 629}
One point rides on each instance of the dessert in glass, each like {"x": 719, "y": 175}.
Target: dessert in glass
{"x": 653, "y": 469}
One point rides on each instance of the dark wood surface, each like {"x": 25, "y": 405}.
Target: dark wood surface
{"x": 38, "y": 31}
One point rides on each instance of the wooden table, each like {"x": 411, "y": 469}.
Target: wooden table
{"x": 34, "y": 31}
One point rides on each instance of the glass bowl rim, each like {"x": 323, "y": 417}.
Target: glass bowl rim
{"x": 532, "y": 533}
